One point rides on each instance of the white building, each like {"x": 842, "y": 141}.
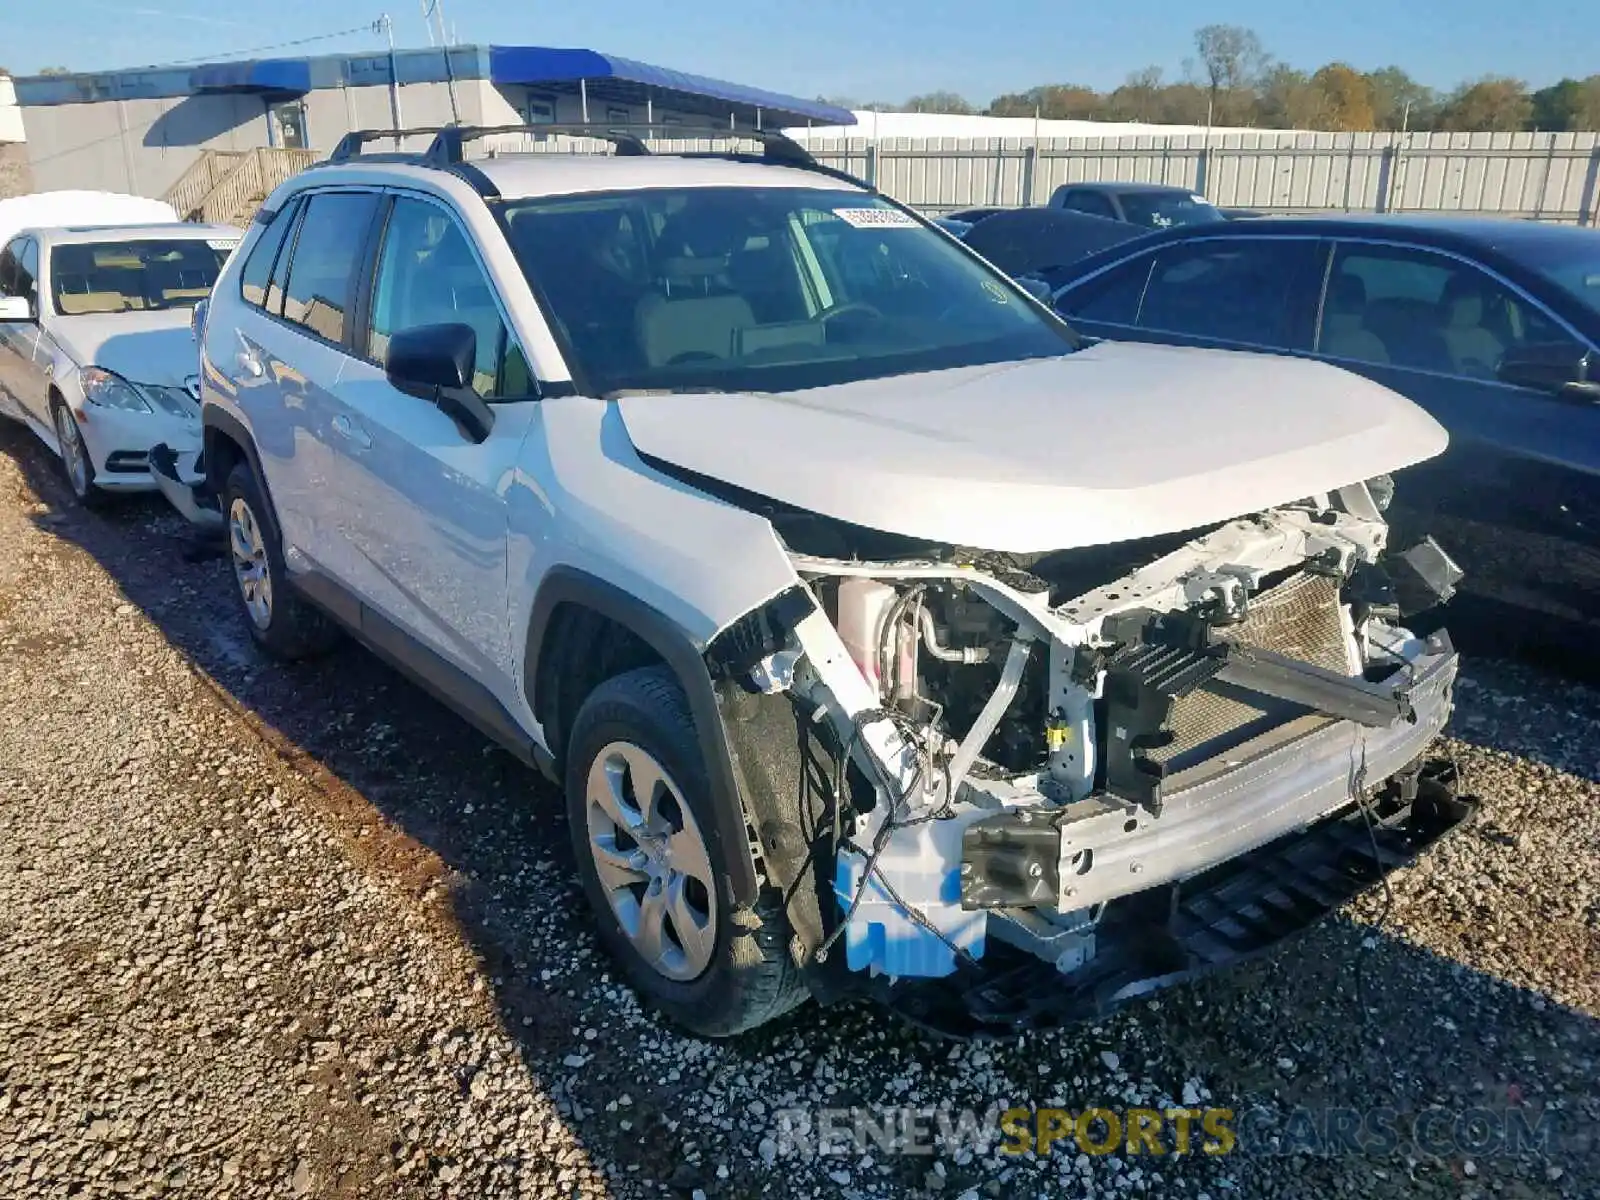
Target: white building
{"x": 880, "y": 126}
{"x": 10, "y": 114}
{"x": 140, "y": 130}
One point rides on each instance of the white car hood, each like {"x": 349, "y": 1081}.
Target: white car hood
{"x": 145, "y": 347}
{"x": 1115, "y": 442}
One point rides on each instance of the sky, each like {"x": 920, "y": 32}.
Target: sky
{"x": 878, "y": 50}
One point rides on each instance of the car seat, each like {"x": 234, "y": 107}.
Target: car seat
{"x": 694, "y": 313}
{"x": 1344, "y": 323}
{"x": 1465, "y": 306}
{"x": 1410, "y": 330}
{"x": 685, "y": 321}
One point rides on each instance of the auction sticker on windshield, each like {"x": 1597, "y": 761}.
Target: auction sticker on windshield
{"x": 875, "y": 218}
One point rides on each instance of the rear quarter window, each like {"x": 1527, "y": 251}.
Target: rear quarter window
{"x": 257, "y": 270}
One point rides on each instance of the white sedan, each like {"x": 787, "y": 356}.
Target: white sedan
{"x": 96, "y": 352}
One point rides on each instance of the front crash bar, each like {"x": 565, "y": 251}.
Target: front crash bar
{"x": 1353, "y": 699}
{"x": 1109, "y": 848}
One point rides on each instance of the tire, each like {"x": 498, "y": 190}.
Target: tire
{"x": 281, "y": 621}
{"x": 76, "y": 465}
{"x": 725, "y": 974}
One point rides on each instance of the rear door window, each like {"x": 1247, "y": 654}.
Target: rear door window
{"x": 322, "y": 270}
{"x": 1111, "y": 297}
{"x": 1249, "y": 291}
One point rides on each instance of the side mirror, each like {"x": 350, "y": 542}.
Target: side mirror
{"x": 16, "y": 308}
{"x": 436, "y": 363}
{"x": 197, "y": 321}
{"x": 1559, "y": 368}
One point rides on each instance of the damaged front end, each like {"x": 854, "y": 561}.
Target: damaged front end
{"x": 1007, "y": 790}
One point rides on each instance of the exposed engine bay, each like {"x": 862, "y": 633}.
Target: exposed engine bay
{"x": 1042, "y": 743}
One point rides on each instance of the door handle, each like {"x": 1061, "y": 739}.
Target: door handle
{"x": 352, "y": 433}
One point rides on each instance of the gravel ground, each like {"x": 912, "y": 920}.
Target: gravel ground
{"x": 297, "y": 931}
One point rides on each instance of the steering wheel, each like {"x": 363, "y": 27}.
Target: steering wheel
{"x": 850, "y": 306}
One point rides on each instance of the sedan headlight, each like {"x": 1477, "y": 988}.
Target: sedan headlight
{"x": 170, "y": 399}
{"x": 110, "y": 390}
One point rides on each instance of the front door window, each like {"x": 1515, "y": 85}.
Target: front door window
{"x": 1406, "y": 306}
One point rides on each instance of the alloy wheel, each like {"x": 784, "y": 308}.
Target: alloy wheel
{"x": 73, "y": 452}
{"x": 250, "y": 567}
{"x": 652, "y": 861}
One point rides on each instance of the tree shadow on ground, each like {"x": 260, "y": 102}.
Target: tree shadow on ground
{"x": 1304, "y": 1028}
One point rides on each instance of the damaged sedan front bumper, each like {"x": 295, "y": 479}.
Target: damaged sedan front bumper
{"x": 180, "y": 477}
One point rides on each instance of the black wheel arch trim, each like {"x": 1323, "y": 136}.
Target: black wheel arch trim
{"x": 216, "y": 422}
{"x": 569, "y": 585}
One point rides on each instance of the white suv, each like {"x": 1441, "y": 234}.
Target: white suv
{"x": 885, "y": 637}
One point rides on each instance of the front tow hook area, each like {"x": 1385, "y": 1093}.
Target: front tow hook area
{"x": 1178, "y": 931}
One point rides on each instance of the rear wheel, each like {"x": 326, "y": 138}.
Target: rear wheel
{"x": 75, "y": 460}
{"x": 638, "y": 802}
{"x": 282, "y": 622}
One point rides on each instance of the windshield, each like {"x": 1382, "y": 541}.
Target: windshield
{"x": 763, "y": 289}
{"x": 1162, "y": 210}
{"x": 1571, "y": 263}
{"x": 135, "y": 275}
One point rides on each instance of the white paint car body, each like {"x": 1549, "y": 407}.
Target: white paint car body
{"x": 49, "y": 349}
{"x": 694, "y": 520}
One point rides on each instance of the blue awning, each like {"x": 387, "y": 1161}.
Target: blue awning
{"x": 260, "y": 75}
{"x": 533, "y": 65}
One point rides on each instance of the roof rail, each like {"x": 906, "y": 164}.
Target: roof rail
{"x": 447, "y": 150}
{"x": 350, "y": 144}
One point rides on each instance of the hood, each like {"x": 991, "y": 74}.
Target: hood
{"x": 1116, "y": 442}
{"x": 144, "y": 347}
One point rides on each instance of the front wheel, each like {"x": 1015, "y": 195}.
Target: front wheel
{"x": 638, "y": 802}
{"x": 75, "y": 458}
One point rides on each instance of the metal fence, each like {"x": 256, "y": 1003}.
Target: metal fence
{"x": 1545, "y": 176}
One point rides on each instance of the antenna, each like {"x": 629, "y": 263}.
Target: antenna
{"x": 433, "y": 14}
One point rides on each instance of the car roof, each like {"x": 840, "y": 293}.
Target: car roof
{"x": 524, "y": 176}
{"x": 1445, "y": 229}
{"x": 70, "y": 235}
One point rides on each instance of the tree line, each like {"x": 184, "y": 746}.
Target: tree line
{"x": 1233, "y": 81}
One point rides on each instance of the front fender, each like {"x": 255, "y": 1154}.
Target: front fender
{"x": 568, "y": 585}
